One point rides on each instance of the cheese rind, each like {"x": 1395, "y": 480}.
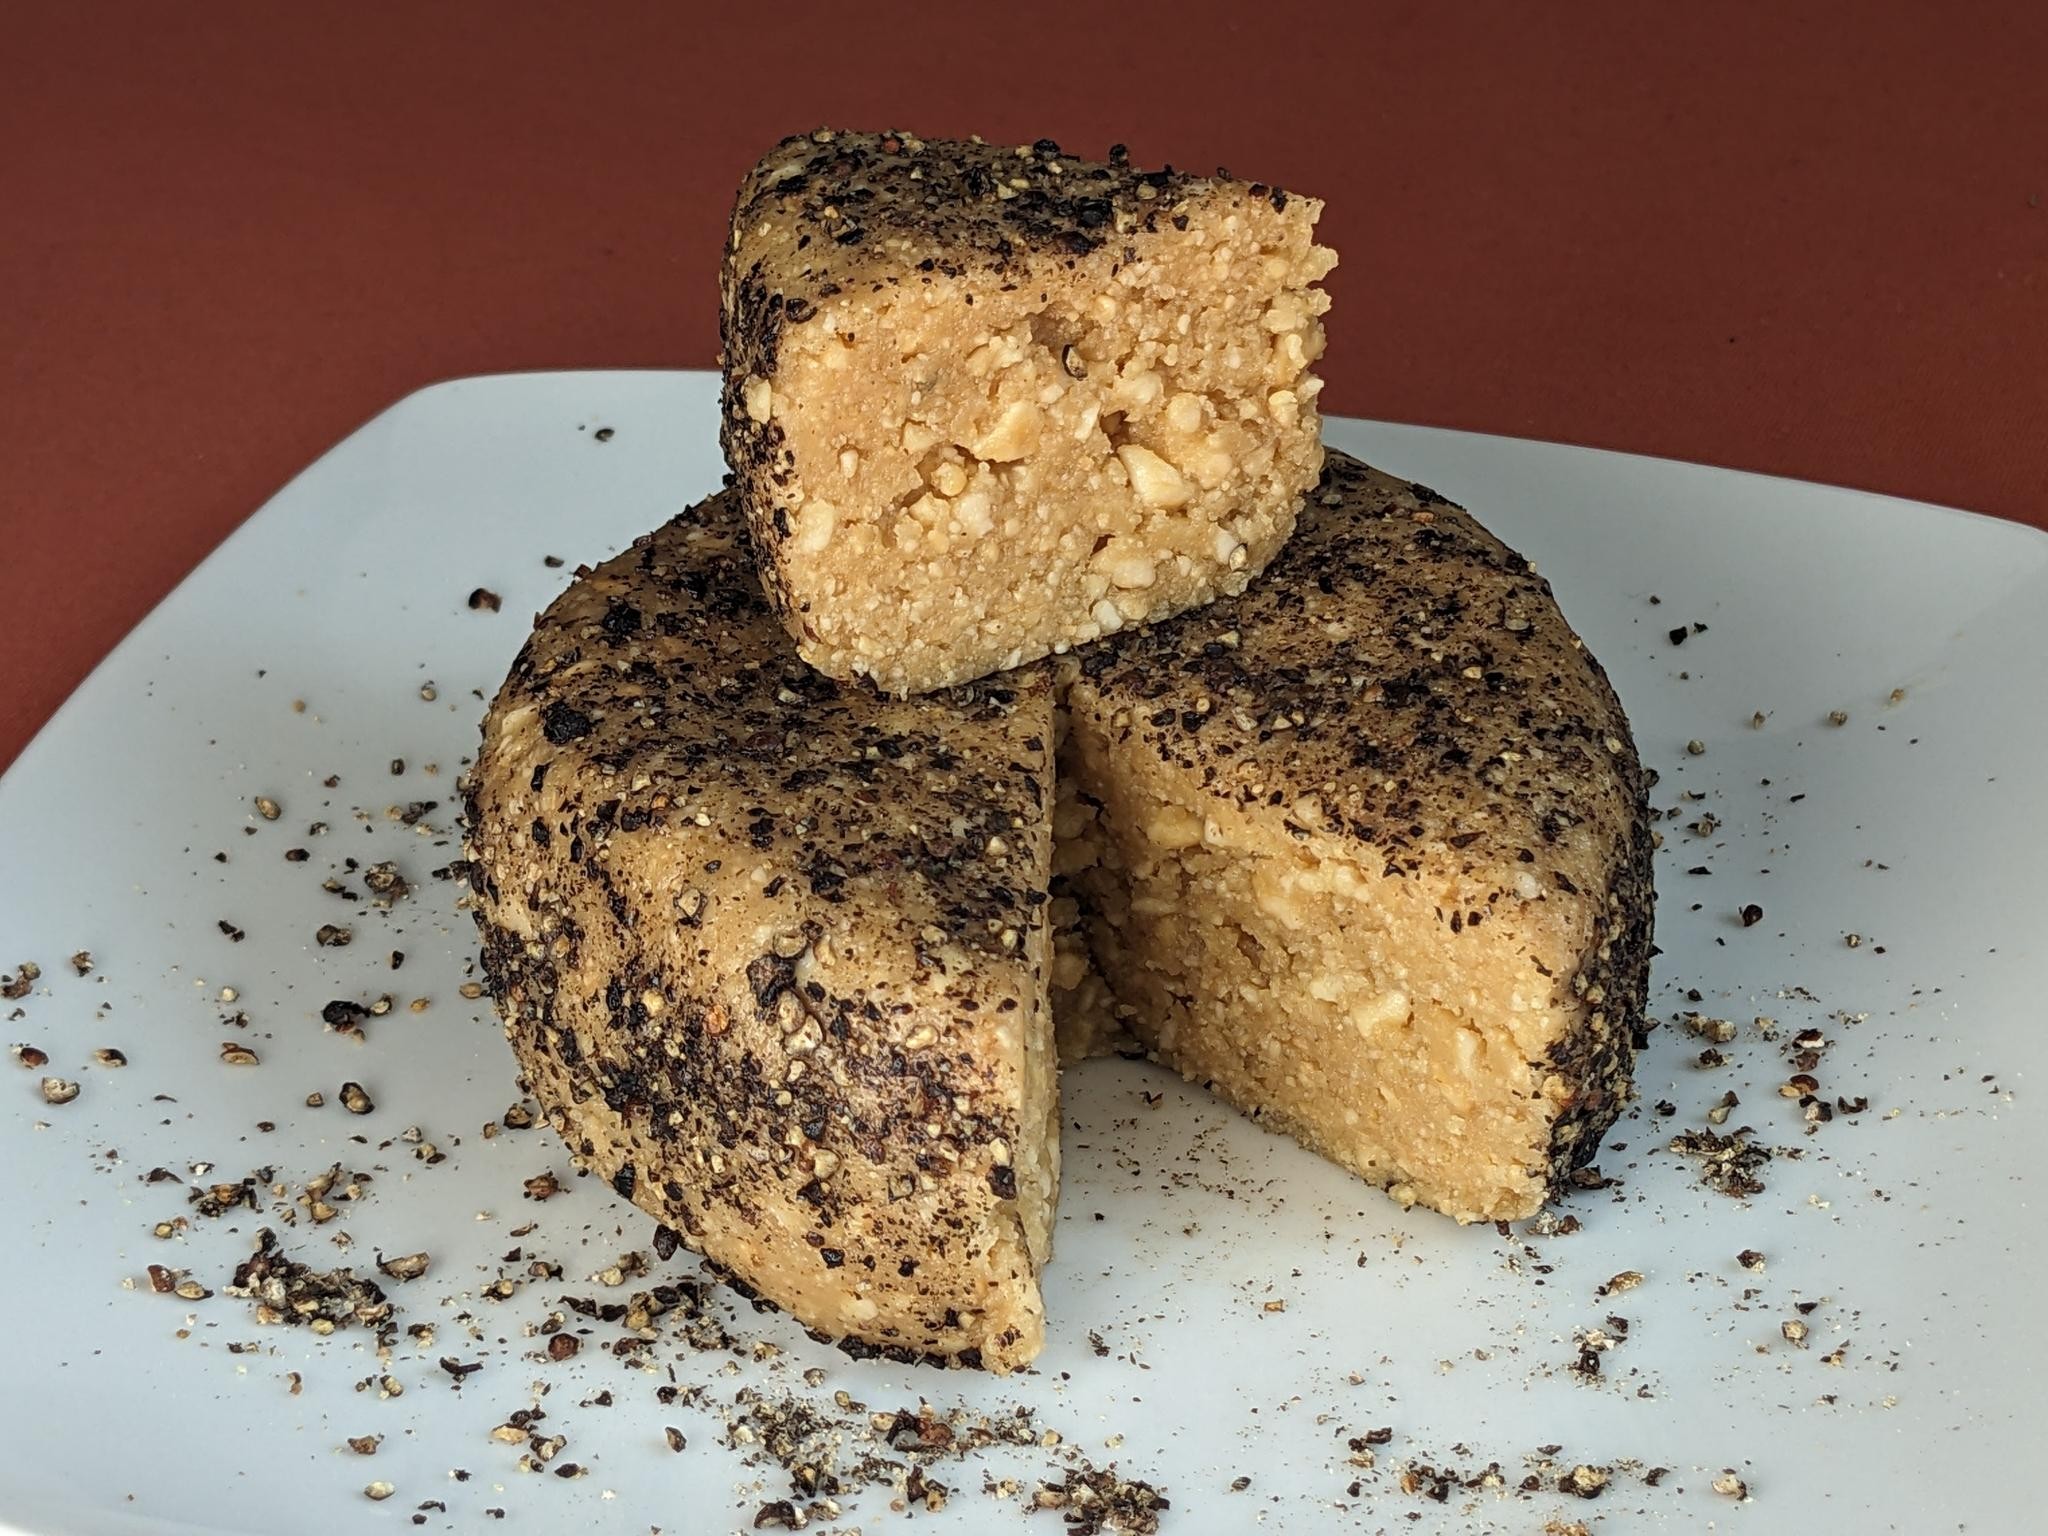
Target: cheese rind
{"x": 771, "y": 950}
{"x": 984, "y": 403}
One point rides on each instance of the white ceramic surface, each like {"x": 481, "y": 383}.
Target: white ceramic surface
{"x": 1919, "y": 825}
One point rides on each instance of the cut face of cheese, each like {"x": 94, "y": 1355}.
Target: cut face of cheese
{"x": 1371, "y": 855}
{"x": 1365, "y": 848}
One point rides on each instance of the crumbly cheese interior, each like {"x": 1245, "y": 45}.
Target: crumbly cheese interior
{"x": 1035, "y": 1159}
{"x": 986, "y": 472}
{"x": 1328, "y": 1002}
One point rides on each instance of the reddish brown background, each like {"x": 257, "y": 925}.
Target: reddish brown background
{"x": 1813, "y": 245}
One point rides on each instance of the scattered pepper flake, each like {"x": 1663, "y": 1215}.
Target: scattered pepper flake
{"x": 406, "y": 1266}
{"x": 1729, "y": 1165}
{"x": 387, "y": 885}
{"x": 543, "y": 1186}
{"x": 1585, "y": 1482}
{"x": 287, "y": 1291}
{"x": 1728, "y": 1485}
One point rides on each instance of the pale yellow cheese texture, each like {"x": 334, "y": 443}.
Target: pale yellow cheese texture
{"x": 985, "y": 403}
{"x": 793, "y": 964}
{"x": 1367, "y": 852}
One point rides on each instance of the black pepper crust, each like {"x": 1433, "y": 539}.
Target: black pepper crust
{"x": 759, "y": 939}
{"x": 1466, "y": 718}
{"x": 866, "y": 212}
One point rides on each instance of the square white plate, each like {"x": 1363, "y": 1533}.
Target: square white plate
{"x": 1225, "y": 1303}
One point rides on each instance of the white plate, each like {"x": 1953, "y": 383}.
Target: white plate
{"x": 1919, "y": 825}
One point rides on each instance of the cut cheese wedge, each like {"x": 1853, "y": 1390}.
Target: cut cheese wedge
{"x": 1365, "y": 849}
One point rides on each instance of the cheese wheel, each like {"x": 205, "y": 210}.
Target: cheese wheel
{"x": 1365, "y": 849}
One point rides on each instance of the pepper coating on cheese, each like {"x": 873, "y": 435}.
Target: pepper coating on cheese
{"x": 771, "y": 949}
